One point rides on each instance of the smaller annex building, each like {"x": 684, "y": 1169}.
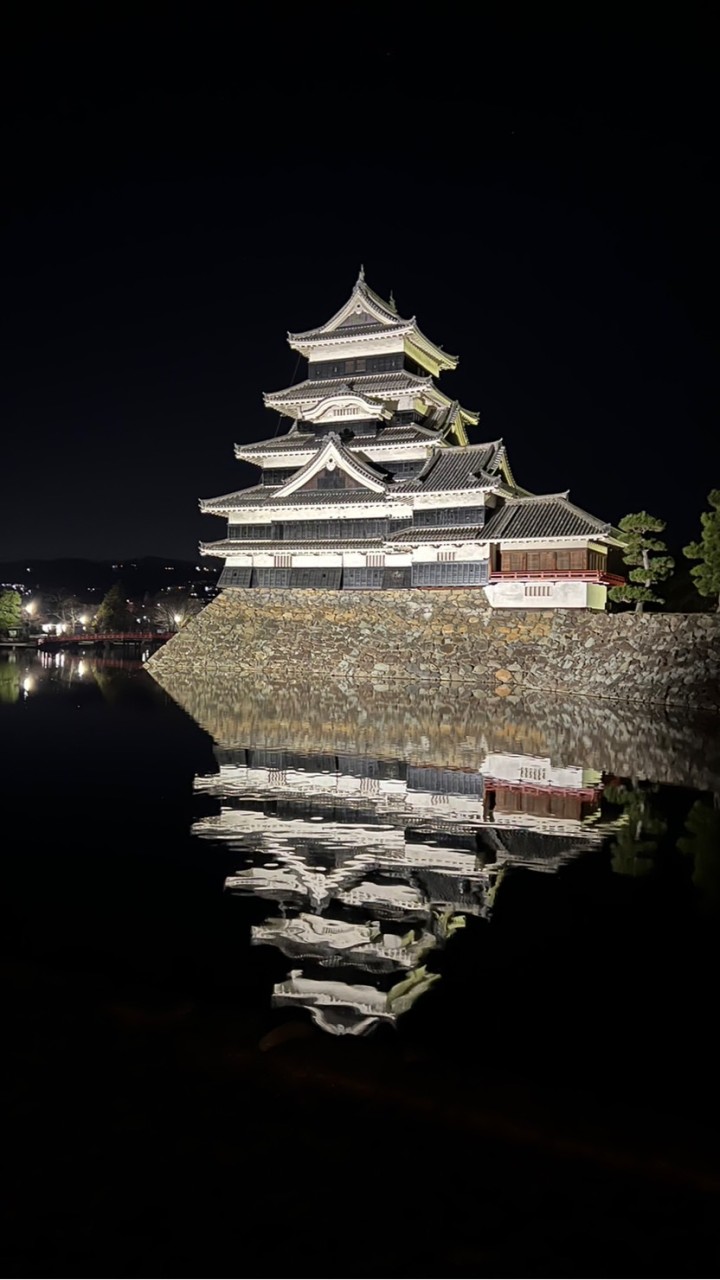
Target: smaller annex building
{"x": 375, "y": 484}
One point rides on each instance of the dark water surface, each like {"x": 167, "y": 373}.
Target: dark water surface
{"x": 313, "y": 982}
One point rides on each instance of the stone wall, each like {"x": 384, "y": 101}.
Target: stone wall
{"x": 449, "y": 637}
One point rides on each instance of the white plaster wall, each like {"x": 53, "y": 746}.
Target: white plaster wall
{"x": 316, "y": 560}
{"x": 533, "y": 770}
{"x": 561, "y": 595}
{"x": 427, "y": 553}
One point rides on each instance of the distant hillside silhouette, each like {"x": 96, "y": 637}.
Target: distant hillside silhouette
{"x": 139, "y": 574}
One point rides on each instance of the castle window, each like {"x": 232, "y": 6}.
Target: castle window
{"x": 468, "y": 573}
{"x": 271, "y": 577}
{"x": 237, "y": 532}
{"x": 451, "y": 516}
{"x": 358, "y": 579}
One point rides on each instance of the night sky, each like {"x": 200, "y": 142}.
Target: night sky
{"x": 180, "y": 192}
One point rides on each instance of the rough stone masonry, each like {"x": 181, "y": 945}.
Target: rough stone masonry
{"x": 450, "y": 637}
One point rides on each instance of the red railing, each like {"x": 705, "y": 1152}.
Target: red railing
{"x": 107, "y": 637}
{"x": 559, "y": 575}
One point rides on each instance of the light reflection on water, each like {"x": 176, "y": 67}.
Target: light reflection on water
{"x": 375, "y": 835}
{"x": 378, "y": 827}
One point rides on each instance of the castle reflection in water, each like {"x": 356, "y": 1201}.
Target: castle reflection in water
{"x": 374, "y": 864}
{"x": 377, "y": 823}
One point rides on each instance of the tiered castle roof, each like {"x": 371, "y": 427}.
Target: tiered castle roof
{"x": 377, "y": 459}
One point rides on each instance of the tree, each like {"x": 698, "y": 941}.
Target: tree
{"x": 702, "y": 843}
{"x": 113, "y": 614}
{"x": 706, "y": 575}
{"x": 10, "y": 610}
{"x": 636, "y": 842}
{"x": 9, "y": 683}
{"x": 172, "y": 608}
{"x": 647, "y": 569}
{"x": 67, "y": 608}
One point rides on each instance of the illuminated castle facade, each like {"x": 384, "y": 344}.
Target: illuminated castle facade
{"x": 375, "y": 484}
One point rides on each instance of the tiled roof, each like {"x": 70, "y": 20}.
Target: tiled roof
{"x": 363, "y": 293}
{"x": 456, "y": 467}
{"x": 376, "y": 385}
{"x": 356, "y": 460}
{"x": 303, "y": 442}
{"x": 545, "y": 516}
{"x": 227, "y": 502}
{"x": 410, "y": 434}
{"x": 303, "y": 497}
{"x": 440, "y": 533}
{"x": 328, "y": 497}
{"x": 292, "y": 442}
{"x": 346, "y": 330}
{"x": 374, "y": 316}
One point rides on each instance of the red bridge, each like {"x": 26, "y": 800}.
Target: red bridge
{"x": 91, "y": 638}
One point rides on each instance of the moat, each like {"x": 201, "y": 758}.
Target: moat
{"x": 270, "y": 930}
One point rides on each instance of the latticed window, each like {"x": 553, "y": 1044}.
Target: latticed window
{"x": 446, "y": 555}
{"x": 449, "y": 516}
{"x": 282, "y": 562}
{"x": 332, "y": 530}
{"x": 355, "y": 365}
{"x": 258, "y": 532}
{"x": 359, "y": 579}
{"x": 469, "y": 573}
{"x": 374, "y": 560}
{"x": 329, "y": 578}
{"x": 271, "y": 577}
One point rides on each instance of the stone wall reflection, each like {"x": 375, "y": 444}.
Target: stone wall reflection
{"x": 426, "y": 724}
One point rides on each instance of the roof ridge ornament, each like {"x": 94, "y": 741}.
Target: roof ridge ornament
{"x": 392, "y": 303}
{"x": 361, "y": 275}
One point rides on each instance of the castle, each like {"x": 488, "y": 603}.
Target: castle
{"x": 376, "y": 485}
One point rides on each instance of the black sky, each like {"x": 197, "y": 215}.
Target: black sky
{"x": 182, "y": 189}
